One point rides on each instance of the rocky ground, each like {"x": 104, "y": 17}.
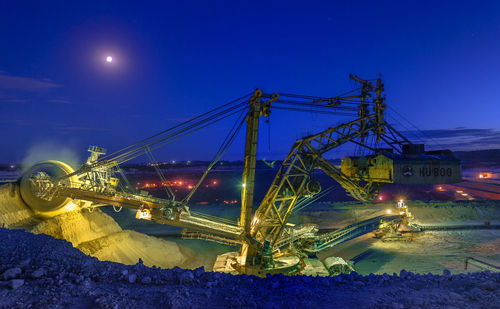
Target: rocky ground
{"x": 40, "y": 271}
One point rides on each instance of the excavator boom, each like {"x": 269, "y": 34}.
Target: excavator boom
{"x": 53, "y": 187}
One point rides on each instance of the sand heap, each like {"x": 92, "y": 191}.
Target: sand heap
{"x": 78, "y": 227}
{"x": 97, "y": 234}
{"x": 94, "y": 233}
{"x": 13, "y": 211}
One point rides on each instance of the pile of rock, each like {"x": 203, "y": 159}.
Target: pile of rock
{"x": 40, "y": 271}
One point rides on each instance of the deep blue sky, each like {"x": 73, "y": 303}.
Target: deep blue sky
{"x": 440, "y": 61}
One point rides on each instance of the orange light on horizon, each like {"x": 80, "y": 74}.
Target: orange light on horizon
{"x": 484, "y": 175}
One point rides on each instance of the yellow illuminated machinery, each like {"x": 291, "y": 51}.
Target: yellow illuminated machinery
{"x": 377, "y": 167}
{"x": 412, "y": 166}
{"x": 268, "y": 243}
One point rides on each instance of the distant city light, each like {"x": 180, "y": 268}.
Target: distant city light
{"x": 109, "y": 59}
{"x": 484, "y": 175}
{"x": 389, "y": 211}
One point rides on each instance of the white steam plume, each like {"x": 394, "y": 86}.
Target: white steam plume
{"x": 50, "y": 150}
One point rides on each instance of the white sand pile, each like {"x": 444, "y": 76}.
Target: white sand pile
{"x": 78, "y": 226}
{"x": 128, "y": 246}
{"x": 97, "y": 234}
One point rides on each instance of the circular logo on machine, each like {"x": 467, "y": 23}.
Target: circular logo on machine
{"x": 407, "y": 171}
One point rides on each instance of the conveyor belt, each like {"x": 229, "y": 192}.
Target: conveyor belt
{"x": 352, "y": 231}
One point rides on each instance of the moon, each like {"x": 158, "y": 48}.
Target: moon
{"x": 109, "y": 59}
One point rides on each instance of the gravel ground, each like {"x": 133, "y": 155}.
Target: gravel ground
{"x": 42, "y": 272}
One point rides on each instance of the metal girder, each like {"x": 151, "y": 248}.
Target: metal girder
{"x": 248, "y": 176}
{"x": 294, "y": 174}
{"x": 258, "y": 108}
{"x": 159, "y": 208}
{"x": 362, "y": 192}
{"x": 287, "y": 187}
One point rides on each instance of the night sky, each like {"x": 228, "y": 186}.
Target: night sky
{"x": 172, "y": 60}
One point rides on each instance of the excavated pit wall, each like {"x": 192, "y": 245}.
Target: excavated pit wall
{"x": 94, "y": 233}
{"x": 336, "y": 215}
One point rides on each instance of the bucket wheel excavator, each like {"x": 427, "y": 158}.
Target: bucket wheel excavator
{"x": 268, "y": 243}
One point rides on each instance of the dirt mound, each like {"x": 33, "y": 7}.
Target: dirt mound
{"x": 97, "y": 234}
{"x": 13, "y": 211}
{"x": 78, "y": 226}
{"x": 128, "y": 247}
